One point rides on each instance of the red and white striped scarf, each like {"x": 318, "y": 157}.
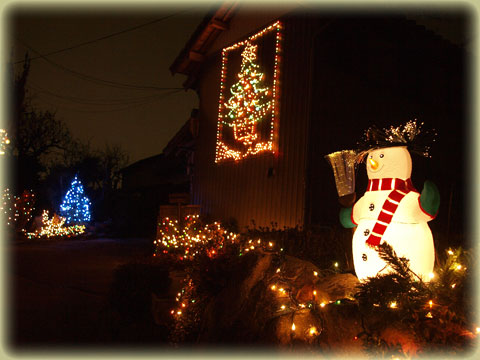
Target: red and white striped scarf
{"x": 399, "y": 188}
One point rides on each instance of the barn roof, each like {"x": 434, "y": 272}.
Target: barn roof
{"x": 189, "y": 59}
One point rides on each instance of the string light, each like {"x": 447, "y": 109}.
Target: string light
{"x": 252, "y": 101}
{"x": 54, "y": 228}
{"x": 189, "y": 240}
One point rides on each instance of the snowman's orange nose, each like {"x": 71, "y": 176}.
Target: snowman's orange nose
{"x": 373, "y": 164}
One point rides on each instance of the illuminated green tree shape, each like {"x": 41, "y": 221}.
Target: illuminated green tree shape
{"x": 251, "y": 99}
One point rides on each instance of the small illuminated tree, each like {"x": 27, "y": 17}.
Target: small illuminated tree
{"x": 76, "y": 206}
{"x": 251, "y": 98}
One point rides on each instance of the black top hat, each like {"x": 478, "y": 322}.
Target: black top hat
{"x": 410, "y": 134}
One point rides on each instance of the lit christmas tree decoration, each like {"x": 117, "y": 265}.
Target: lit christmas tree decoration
{"x": 250, "y": 101}
{"x": 253, "y": 101}
{"x": 76, "y": 206}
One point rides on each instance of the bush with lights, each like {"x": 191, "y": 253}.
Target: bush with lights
{"x": 17, "y": 210}
{"x": 54, "y": 228}
{"x": 183, "y": 241}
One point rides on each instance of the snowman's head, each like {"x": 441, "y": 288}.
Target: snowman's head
{"x": 389, "y": 162}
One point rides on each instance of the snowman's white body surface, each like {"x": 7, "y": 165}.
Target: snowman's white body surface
{"x": 408, "y": 232}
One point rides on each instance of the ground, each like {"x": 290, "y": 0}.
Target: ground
{"x": 58, "y": 291}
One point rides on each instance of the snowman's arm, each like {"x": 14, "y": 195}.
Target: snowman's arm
{"x": 346, "y": 217}
{"x": 429, "y": 199}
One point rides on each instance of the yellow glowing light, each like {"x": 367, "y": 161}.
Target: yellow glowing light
{"x": 282, "y": 307}
{"x": 314, "y": 292}
{"x": 453, "y": 286}
{"x": 450, "y": 252}
{"x": 278, "y": 270}
{"x": 273, "y": 287}
{"x": 54, "y": 227}
{"x": 336, "y": 264}
{"x": 313, "y": 331}
{"x": 322, "y": 304}
{"x": 393, "y": 304}
{"x": 430, "y": 303}
{"x": 431, "y": 275}
{"x": 477, "y": 330}
{"x": 270, "y": 244}
{"x": 459, "y": 267}
{"x": 293, "y": 327}
{"x": 315, "y": 273}
{"x": 179, "y": 313}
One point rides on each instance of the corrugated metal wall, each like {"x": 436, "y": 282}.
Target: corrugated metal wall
{"x": 244, "y": 190}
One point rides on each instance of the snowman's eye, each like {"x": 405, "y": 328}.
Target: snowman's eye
{"x": 371, "y": 156}
{"x": 381, "y": 155}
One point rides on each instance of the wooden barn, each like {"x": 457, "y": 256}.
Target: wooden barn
{"x": 315, "y": 80}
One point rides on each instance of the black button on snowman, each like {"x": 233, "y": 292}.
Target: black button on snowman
{"x": 400, "y": 219}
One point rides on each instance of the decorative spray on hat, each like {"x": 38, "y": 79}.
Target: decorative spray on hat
{"x": 391, "y": 209}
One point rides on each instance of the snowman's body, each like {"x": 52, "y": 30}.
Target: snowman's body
{"x": 407, "y": 232}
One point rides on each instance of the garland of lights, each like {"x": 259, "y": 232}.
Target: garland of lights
{"x": 76, "y": 206}
{"x": 54, "y": 228}
{"x": 251, "y": 102}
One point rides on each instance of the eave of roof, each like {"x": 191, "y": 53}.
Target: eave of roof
{"x": 191, "y": 56}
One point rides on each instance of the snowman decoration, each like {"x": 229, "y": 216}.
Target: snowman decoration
{"x": 392, "y": 210}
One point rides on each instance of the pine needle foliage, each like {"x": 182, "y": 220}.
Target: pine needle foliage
{"x": 437, "y": 313}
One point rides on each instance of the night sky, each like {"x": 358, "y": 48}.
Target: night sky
{"x": 141, "y": 120}
{"x": 140, "y": 44}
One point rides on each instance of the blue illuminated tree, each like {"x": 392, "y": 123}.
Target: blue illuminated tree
{"x": 76, "y": 206}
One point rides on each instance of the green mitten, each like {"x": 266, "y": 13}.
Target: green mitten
{"x": 346, "y": 217}
{"x": 430, "y": 198}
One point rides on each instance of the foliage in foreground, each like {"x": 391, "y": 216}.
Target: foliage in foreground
{"x": 401, "y": 315}
{"x": 437, "y": 313}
